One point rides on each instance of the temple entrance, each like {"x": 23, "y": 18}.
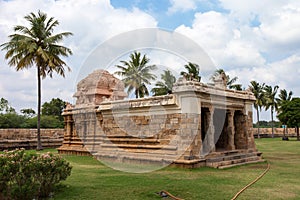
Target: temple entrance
{"x": 240, "y": 137}
{"x": 220, "y": 124}
{"x": 205, "y": 120}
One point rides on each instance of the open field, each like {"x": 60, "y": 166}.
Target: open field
{"x": 92, "y": 180}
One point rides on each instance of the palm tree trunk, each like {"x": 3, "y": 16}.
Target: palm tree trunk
{"x": 258, "y": 131}
{"x": 272, "y": 123}
{"x": 297, "y": 130}
{"x": 39, "y": 144}
{"x": 136, "y": 93}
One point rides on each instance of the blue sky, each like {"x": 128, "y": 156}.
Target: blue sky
{"x": 253, "y": 40}
{"x": 159, "y": 10}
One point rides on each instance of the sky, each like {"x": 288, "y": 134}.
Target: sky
{"x": 253, "y": 40}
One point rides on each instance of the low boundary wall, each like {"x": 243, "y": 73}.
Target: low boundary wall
{"x": 27, "y": 138}
{"x": 278, "y": 132}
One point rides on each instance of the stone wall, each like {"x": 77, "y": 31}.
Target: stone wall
{"x": 175, "y": 129}
{"x": 170, "y": 129}
{"x": 278, "y": 132}
{"x": 26, "y": 138}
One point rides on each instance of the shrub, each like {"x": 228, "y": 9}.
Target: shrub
{"x": 27, "y": 176}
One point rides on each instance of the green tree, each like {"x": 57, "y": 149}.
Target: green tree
{"x": 54, "y": 108}
{"x": 290, "y": 113}
{"x": 257, "y": 90}
{"x": 165, "y": 86}
{"x": 11, "y": 120}
{"x": 136, "y": 74}
{"x": 193, "y": 71}
{"x": 230, "y": 81}
{"x": 47, "y": 121}
{"x": 270, "y": 101}
{"x": 5, "y": 107}
{"x": 37, "y": 46}
{"x": 282, "y": 98}
{"x": 28, "y": 112}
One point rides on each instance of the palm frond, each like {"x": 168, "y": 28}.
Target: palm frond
{"x": 136, "y": 74}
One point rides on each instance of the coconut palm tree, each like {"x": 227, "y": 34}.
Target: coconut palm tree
{"x": 257, "y": 90}
{"x": 37, "y": 46}
{"x": 136, "y": 73}
{"x": 283, "y": 97}
{"x": 270, "y": 101}
{"x": 230, "y": 81}
{"x": 193, "y": 71}
{"x": 164, "y": 87}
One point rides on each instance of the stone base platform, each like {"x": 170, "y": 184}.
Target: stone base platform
{"x": 125, "y": 149}
{"x": 133, "y": 151}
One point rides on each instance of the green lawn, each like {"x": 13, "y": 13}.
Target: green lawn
{"x": 92, "y": 180}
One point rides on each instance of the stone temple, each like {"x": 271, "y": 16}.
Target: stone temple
{"x": 197, "y": 125}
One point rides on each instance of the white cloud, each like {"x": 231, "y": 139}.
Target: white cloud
{"x": 91, "y": 21}
{"x": 280, "y": 30}
{"x": 181, "y": 6}
{"x": 223, "y": 41}
{"x": 283, "y": 73}
{"x": 277, "y": 21}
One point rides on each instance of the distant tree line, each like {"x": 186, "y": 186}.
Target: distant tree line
{"x": 267, "y": 124}
{"x": 50, "y": 117}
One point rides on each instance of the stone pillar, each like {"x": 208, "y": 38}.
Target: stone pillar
{"x": 230, "y": 130}
{"x": 208, "y": 143}
{"x": 211, "y": 130}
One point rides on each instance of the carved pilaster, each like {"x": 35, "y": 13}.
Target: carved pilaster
{"x": 230, "y": 129}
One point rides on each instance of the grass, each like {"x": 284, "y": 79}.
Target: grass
{"x": 92, "y": 180}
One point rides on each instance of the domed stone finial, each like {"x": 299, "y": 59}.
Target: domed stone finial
{"x": 98, "y": 86}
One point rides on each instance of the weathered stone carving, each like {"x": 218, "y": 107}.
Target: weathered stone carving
{"x": 221, "y": 80}
{"x": 97, "y": 87}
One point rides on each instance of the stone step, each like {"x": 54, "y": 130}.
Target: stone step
{"x": 241, "y": 160}
{"x": 167, "y": 152}
{"x": 157, "y": 157}
{"x": 224, "y": 153}
{"x": 131, "y": 140}
{"x": 136, "y": 146}
{"x": 126, "y": 136}
{"x": 239, "y": 164}
{"x": 189, "y": 162}
{"x": 232, "y": 162}
{"x": 121, "y": 141}
{"x": 231, "y": 157}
